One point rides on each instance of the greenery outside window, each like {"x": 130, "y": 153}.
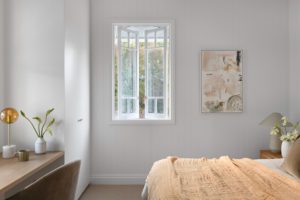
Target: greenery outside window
{"x": 142, "y": 71}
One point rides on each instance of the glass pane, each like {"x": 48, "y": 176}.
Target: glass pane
{"x": 160, "y": 106}
{"x": 155, "y": 73}
{"x": 124, "y": 39}
{"x": 160, "y": 36}
{"x": 150, "y": 40}
{"x": 128, "y": 106}
{"x": 124, "y": 105}
{"x": 129, "y": 70}
{"x": 116, "y": 70}
{"x": 132, "y": 40}
{"x": 151, "y": 105}
{"x": 131, "y": 105}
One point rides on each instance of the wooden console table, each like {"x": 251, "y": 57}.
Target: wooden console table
{"x": 268, "y": 154}
{"x": 15, "y": 175}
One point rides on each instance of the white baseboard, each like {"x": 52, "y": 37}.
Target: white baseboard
{"x": 119, "y": 179}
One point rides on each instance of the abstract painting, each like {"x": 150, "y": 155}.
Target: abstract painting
{"x": 222, "y": 81}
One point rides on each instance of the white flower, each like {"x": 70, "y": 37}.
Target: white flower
{"x": 295, "y": 131}
{"x": 275, "y": 130}
{"x": 283, "y": 138}
{"x": 284, "y": 120}
{"x": 290, "y": 136}
{"x": 294, "y": 136}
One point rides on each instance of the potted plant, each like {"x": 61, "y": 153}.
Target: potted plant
{"x": 40, "y": 130}
{"x": 288, "y": 134}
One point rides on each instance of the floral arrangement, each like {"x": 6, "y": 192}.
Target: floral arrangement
{"x": 286, "y": 130}
{"x": 42, "y": 128}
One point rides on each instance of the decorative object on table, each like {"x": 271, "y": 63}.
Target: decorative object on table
{"x": 269, "y": 121}
{"x": 291, "y": 163}
{"x": 40, "y": 130}
{"x": 222, "y": 81}
{"x": 23, "y": 155}
{"x": 285, "y": 147}
{"x": 288, "y": 133}
{"x": 9, "y": 116}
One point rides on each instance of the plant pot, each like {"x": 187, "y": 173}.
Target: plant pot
{"x": 285, "y": 147}
{"x": 40, "y": 146}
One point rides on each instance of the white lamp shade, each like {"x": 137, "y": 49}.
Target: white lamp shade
{"x": 271, "y": 119}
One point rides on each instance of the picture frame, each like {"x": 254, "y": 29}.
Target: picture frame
{"x": 221, "y": 81}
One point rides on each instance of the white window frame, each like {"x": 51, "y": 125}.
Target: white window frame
{"x": 120, "y": 92}
{"x": 156, "y": 115}
{"x": 170, "y": 98}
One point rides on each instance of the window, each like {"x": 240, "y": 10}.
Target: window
{"x": 142, "y": 86}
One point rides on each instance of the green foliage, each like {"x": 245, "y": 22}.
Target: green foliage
{"x": 38, "y": 119}
{"x": 127, "y": 73}
{"x": 116, "y": 77}
{"x": 42, "y": 127}
{"x": 156, "y": 75}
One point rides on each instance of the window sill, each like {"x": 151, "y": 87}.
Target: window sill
{"x": 142, "y": 122}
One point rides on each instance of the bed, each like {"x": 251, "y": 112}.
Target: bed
{"x": 273, "y": 164}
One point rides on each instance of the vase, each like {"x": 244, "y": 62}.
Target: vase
{"x": 40, "y": 146}
{"x": 285, "y": 147}
{"x": 275, "y": 143}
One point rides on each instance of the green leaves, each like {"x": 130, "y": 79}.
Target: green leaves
{"x": 38, "y": 119}
{"x": 22, "y": 113}
{"x": 50, "y": 131}
{"x": 286, "y": 130}
{"x": 51, "y": 122}
{"x": 40, "y": 132}
{"x": 49, "y": 111}
{"x": 296, "y": 125}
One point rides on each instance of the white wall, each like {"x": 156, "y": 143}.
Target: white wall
{"x": 36, "y": 34}
{"x": 294, "y": 59}
{"x": 125, "y": 153}
{"x": 77, "y": 87}
{"x": 34, "y": 65}
{"x": 1, "y": 70}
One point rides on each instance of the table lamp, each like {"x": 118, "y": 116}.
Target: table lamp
{"x": 269, "y": 121}
{"x": 9, "y": 116}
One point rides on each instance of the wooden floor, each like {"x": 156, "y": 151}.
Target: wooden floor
{"x": 112, "y": 192}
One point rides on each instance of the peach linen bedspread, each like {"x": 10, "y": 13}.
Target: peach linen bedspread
{"x": 224, "y": 178}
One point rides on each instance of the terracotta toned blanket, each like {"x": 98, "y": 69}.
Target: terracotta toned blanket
{"x": 218, "y": 179}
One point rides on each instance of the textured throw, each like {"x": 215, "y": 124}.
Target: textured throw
{"x": 218, "y": 179}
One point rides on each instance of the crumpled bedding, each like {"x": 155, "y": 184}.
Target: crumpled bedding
{"x": 212, "y": 179}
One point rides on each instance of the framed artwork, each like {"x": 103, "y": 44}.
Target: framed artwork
{"x": 222, "y": 81}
